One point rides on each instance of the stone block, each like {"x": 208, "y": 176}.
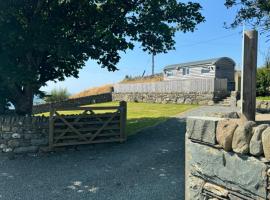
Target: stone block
{"x": 27, "y": 136}
{"x": 39, "y": 142}
{"x": 216, "y": 190}
{"x": 266, "y": 143}
{"x": 30, "y": 149}
{"x": 25, "y": 143}
{"x": 6, "y": 128}
{"x": 16, "y": 135}
{"x": 180, "y": 100}
{"x": 7, "y": 150}
{"x": 194, "y": 188}
{"x": 255, "y": 146}
{"x": 6, "y": 136}
{"x": 202, "y": 129}
{"x": 225, "y": 132}
{"x": 242, "y": 137}
{"x": 36, "y": 136}
{"x": 13, "y": 143}
{"x": 188, "y": 101}
{"x": 211, "y": 103}
{"x": 3, "y": 146}
{"x": 241, "y": 174}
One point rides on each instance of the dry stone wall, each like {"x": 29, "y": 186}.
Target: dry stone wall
{"x": 179, "y": 98}
{"x": 263, "y": 106}
{"x": 101, "y": 98}
{"x": 227, "y": 159}
{"x": 23, "y": 134}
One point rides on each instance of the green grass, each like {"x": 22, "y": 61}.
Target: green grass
{"x": 141, "y": 115}
{"x": 267, "y": 98}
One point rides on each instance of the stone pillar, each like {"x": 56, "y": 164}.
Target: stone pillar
{"x": 248, "y": 89}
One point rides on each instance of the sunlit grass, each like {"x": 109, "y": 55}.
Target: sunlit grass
{"x": 141, "y": 115}
{"x": 267, "y": 98}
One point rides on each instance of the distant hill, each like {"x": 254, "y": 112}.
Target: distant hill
{"x": 109, "y": 87}
{"x": 146, "y": 79}
{"x": 93, "y": 91}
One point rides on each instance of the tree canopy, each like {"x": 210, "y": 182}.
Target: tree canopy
{"x": 253, "y": 12}
{"x": 49, "y": 40}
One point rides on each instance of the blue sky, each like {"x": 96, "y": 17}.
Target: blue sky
{"x": 210, "y": 40}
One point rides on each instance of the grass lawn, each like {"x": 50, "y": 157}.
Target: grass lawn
{"x": 267, "y": 98}
{"x": 141, "y": 115}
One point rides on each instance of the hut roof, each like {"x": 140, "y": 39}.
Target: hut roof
{"x": 213, "y": 61}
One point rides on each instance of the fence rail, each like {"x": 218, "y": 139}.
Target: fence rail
{"x": 188, "y": 85}
{"x": 92, "y": 125}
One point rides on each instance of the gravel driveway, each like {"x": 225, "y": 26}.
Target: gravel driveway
{"x": 149, "y": 166}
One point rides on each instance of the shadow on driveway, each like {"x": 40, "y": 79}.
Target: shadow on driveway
{"x": 149, "y": 166}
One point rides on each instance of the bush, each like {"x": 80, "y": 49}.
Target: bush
{"x": 263, "y": 81}
{"x": 57, "y": 95}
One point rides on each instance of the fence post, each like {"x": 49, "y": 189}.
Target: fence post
{"x": 123, "y": 120}
{"x": 248, "y": 92}
{"x": 51, "y": 127}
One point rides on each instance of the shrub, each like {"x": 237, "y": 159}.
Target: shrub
{"x": 263, "y": 81}
{"x": 57, "y": 95}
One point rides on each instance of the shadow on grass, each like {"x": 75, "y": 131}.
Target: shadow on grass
{"x": 137, "y": 124}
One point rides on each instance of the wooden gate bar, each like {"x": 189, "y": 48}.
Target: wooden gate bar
{"x": 51, "y": 127}
{"x": 123, "y": 119}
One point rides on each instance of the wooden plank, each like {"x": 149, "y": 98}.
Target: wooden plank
{"x": 87, "y": 108}
{"x": 59, "y": 124}
{"x": 123, "y": 119}
{"x": 92, "y": 142}
{"x": 58, "y": 131}
{"x": 248, "y": 92}
{"x": 104, "y": 115}
{"x": 89, "y": 135}
{"x": 51, "y": 127}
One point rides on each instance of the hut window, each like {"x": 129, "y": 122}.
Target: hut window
{"x": 169, "y": 73}
{"x": 205, "y": 70}
{"x": 185, "y": 71}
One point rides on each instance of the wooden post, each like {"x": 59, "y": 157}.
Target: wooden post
{"x": 51, "y": 127}
{"x": 123, "y": 120}
{"x": 153, "y": 64}
{"x": 248, "y": 91}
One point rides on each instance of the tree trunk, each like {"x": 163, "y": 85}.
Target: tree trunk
{"x": 2, "y": 109}
{"x": 23, "y": 102}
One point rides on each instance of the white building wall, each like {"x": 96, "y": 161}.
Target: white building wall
{"x": 207, "y": 71}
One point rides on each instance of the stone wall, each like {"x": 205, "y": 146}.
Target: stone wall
{"x": 227, "y": 159}
{"x": 101, "y": 98}
{"x": 23, "y": 134}
{"x": 179, "y": 98}
{"x": 263, "y": 106}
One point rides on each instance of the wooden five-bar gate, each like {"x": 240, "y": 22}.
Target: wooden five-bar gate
{"x": 92, "y": 125}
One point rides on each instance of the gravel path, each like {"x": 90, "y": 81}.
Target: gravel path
{"x": 149, "y": 166}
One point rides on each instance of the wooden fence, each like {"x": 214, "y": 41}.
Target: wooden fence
{"x": 92, "y": 125}
{"x": 188, "y": 85}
